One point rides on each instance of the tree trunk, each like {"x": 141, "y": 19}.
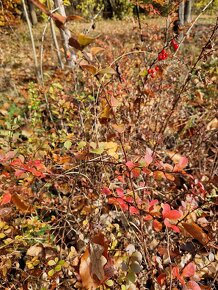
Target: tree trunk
{"x": 187, "y": 12}
{"x": 32, "y": 11}
{"x": 181, "y": 19}
{"x": 65, "y": 35}
{"x": 181, "y": 12}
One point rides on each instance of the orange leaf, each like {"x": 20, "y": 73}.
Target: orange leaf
{"x": 96, "y": 50}
{"x": 19, "y": 203}
{"x": 157, "y": 226}
{"x": 6, "y": 198}
{"x": 196, "y": 232}
{"x": 74, "y": 17}
{"x": 161, "y": 279}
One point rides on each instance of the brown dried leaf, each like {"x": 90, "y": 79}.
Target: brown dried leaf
{"x": 74, "y": 17}
{"x": 118, "y": 128}
{"x": 74, "y": 43}
{"x": 97, "y": 261}
{"x": 20, "y": 203}
{"x": 41, "y": 6}
{"x": 5, "y": 211}
{"x": 196, "y": 232}
{"x": 90, "y": 68}
{"x": 85, "y": 272}
{"x": 95, "y": 50}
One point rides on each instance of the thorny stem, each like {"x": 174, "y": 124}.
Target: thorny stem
{"x": 168, "y": 252}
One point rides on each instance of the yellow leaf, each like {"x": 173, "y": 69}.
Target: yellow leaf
{"x": 85, "y": 40}
{"x": 90, "y": 68}
{"x": 105, "y": 114}
{"x": 108, "y": 70}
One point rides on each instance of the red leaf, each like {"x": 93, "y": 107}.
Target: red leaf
{"x": 189, "y": 270}
{"x": 133, "y": 210}
{"x": 148, "y": 159}
{"x": 128, "y": 199}
{"x": 136, "y": 172}
{"x": 173, "y": 227}
{"x": 120, "y": 202}
{"x": 120, "y": 192}
{"x": 161, "y": 279}
{"x": 175, "y": 272}
{"x": 192, "y": 285}
{"x": 6, "y": 198}
{"x": 121, "y": 179}
{"x": 106, "y": 191}
{"x": 183, "y": 162}
{"x": 166, "y": 209}
{"x": 148, "y": 217}
{"x": 152, "y": 204}
{"x": 130, "y": 165}
{"x": 173, "y": 215}
{"x": 18, "y": 172}
{"x": 170, "y": 214}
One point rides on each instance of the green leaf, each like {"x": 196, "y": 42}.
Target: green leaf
{"x": 131, "y": 277}
{"x": 61, "y": 262}
{"x": 97, "y": 151}
{"x": 51, "y": 272}
{"x": 110, "y": 283}
{"x": 81, "y": 145}
{"x": 67, "y": 144}
{"x": 58, "y": 268}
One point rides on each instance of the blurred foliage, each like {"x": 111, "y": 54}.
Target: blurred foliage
{"x": 199, "y": 5}
{"x": 9, "y": 12}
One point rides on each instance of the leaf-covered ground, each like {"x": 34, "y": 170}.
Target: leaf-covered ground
{"x": 108, "y": 172}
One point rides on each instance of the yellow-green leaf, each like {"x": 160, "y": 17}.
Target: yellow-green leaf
{"x": 85, "y": 40}
{"x": 51, "y": 272}
{"x": 52, "y": 263}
